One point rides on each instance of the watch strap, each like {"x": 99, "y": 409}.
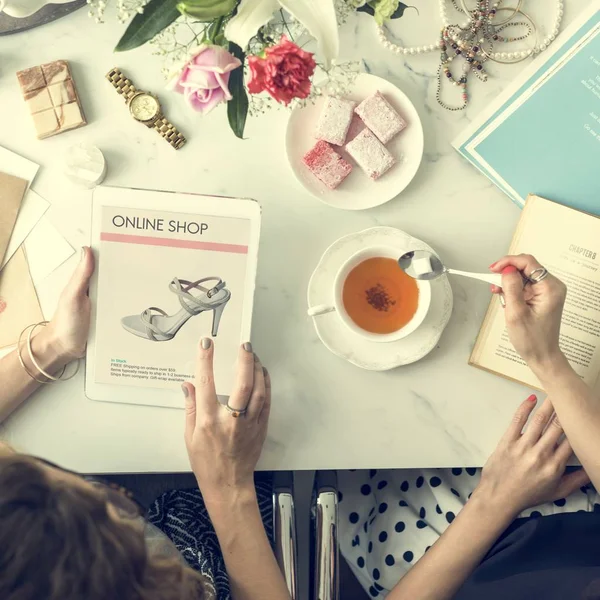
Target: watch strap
{"x": 169, "y": 132}
{"x": 121, "y": 83}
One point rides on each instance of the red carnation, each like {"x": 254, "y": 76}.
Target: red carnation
{"x": 284, "y": 72}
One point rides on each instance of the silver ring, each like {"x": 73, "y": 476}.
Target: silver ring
{"x": 235, "y": 413}
{"x": 538, "y": 275}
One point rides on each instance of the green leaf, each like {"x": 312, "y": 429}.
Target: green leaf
{"x": 157, "y": 15}
{"x": 237, "y": 107}
{"x": 206, "y": 10}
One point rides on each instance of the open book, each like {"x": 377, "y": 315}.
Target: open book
{"x": 567, "y": 243}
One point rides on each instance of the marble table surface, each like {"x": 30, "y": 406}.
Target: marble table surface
{"x": 326, "y": 412}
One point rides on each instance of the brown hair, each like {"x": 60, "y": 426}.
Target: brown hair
{"x": 59, "y": 542}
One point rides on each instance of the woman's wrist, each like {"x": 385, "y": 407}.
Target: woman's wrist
{"x": 228, "y": 497}
{"x": 48, "y": 351}
{"x": 550, "y": 366}
{"x": 492, "y": 505}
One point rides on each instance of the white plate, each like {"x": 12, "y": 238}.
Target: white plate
{"x": 376, "y": 356}
{"x": 358, "y": 191}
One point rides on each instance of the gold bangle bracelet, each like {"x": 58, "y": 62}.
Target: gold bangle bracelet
{"x": 49, "y": 378}
{"x": 22, "y": 362}
{"x": 32, "y": 358}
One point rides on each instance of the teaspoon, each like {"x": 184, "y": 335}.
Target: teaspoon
{"x": 422, "y": 264}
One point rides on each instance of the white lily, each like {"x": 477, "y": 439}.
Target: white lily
{"x": 318, "y": 16}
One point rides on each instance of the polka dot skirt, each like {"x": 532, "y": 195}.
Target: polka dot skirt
{"x": 390, "y": 518}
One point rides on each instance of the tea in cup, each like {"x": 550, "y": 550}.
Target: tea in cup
{"x": 375, "y": 298}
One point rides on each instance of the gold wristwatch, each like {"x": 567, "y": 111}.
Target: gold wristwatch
{"x": 145, "y": 108}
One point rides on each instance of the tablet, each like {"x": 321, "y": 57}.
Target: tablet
{"x": 171, "y": 268}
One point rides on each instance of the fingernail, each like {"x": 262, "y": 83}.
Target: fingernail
{"x": 255, "y": 358}
{"x": 508, "y": 270}
{"x": 206, "y": 343}
{"x": 493, "y": 265}
{"x": 82, "y": 252}
{"x": 265, "y": 372}
{"x": 185, "y": 391}
{"x": 247, "y": 347}
{"x": 532, "y": 398}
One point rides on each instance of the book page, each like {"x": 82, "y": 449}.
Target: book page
{"x": 567, "y": 243}
{"x": 165, "y": 280}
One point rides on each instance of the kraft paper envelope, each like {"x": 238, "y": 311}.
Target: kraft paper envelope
{"x": 32, "y": 210}
{"x": 12, "y": 190}
{"x": 19, "y": 306}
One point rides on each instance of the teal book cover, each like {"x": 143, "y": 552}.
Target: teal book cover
{"x": 542, "y": 136}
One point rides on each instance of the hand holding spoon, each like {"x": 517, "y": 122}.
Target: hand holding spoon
{"x": 422, "y": 264}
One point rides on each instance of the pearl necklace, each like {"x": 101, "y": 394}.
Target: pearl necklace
{"x": 498, "y": 55}
{"x": 467, "y": 40}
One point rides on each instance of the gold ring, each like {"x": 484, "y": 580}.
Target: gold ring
{"x": 235, "y": 412}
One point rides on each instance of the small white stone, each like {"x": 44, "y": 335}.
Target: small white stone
{"x": 85, "y": 165}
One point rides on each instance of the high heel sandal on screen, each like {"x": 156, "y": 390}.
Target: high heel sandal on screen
{"x": 156, "y": 325}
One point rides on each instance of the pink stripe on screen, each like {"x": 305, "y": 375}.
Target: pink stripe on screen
{"x": 146, "y": 240}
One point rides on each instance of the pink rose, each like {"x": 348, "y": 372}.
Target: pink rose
{"x": 204, "y": 79}
{"x": 284, "y": 72}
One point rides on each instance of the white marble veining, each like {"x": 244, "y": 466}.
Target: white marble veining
{"x": 326, "y": 412}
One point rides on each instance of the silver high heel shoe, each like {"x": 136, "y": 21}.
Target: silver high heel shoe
{"x": 156, "y": 325}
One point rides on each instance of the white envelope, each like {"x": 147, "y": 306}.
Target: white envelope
{"x": 46, "y": 250}
{"x": 16, "y": 165}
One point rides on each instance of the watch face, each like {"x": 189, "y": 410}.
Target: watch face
{"x": 144, "y": 107}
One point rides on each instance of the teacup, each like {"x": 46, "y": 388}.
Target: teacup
{"x": 376, "y": 309}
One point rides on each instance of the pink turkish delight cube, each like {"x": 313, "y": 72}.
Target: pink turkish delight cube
{"x": 356, "y": 126}
{"x": 380, "y": 117}
{"x": 334, "y": 120}
{"x": 370, "y": 154}
{"x": 327, "y": 165}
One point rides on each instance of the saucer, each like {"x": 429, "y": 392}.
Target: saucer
{"x": 357, "y": 191}
{"x": 376, "y": 356}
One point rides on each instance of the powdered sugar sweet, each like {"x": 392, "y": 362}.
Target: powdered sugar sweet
{"x": 370, "y": 154}
{"x": 380, "y": 117}
{"x": 334, "y": 120}
{"x": 356, "y": 126}
{"x": 327, "y": 165}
